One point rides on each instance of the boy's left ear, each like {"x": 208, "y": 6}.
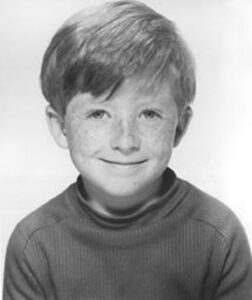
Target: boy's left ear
{"x": 56, "y": 126}
{"x": 183, "y": 122}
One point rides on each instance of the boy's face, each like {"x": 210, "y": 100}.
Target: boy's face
{"x": 122, "y": 146}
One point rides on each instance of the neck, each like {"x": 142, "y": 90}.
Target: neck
{"x": 114, "y": 205}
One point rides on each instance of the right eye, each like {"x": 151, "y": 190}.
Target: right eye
{"x": 150, "y": 114}
{"x": 97, "y": 114}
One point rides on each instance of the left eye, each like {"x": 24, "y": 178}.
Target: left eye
{"x": 98, "y": 114}
{"x": 150, "y": 114}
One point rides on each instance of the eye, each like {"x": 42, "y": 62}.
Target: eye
{"x": 98, "y": 114}
{"x": 150, "y": 114}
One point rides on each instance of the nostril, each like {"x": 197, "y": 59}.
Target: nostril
{"x": 126, "y": 146}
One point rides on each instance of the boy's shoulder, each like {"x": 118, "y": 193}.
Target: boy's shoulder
{"x": 52, "y": 212}
{"x": 207, "y": 210}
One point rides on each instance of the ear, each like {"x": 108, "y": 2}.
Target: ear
{"x": 183, "y": 122}
{"x": 56, "y": 126}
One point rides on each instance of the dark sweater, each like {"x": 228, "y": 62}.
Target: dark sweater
{"x": 186, "y": 246}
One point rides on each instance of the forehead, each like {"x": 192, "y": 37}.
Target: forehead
{"x": 133, "y": 92}
{"x": 136, "y": 90}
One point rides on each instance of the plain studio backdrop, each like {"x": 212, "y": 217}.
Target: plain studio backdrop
{"x": 216, "y": 153}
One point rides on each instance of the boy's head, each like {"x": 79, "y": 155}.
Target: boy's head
{"x": 119, "y": 80}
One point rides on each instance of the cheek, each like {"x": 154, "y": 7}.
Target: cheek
{"x": 86, "y": 140}
{"x": 159, "y": 140}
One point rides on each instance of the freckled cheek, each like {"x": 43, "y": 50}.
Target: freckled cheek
{"x": 159, "y": 141}
{"x": 87, "y": 140}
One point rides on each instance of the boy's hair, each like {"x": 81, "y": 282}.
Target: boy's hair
{"x": 95, "y": 50}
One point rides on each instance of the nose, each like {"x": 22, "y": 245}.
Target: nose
{"x": 125, "y": 137}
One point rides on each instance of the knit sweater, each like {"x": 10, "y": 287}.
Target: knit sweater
{"x": 185, "y": 246}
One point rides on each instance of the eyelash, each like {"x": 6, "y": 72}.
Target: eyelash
{"x": 100, "y": 114}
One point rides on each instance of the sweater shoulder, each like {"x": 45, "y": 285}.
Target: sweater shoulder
{"x": 50, "y": 213}
{"x": 201, "y": 207}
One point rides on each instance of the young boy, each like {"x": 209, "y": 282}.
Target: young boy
{"x": 119, "y": 81}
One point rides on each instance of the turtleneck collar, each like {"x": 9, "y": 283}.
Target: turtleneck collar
{"x": 130, "y": 216}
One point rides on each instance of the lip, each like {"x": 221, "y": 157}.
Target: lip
{"x": 124, "y": 163}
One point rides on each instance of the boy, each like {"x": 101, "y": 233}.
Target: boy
{"x": 119, "y": 81}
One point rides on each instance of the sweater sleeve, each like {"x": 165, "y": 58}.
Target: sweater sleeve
{"x": 20, "y": 282}
{"x": 235, "y": 282}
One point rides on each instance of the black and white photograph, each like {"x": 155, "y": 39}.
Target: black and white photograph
{"x": 125, "y": 158}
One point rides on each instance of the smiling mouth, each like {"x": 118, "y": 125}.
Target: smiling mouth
{"x": 119, "y": 163}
